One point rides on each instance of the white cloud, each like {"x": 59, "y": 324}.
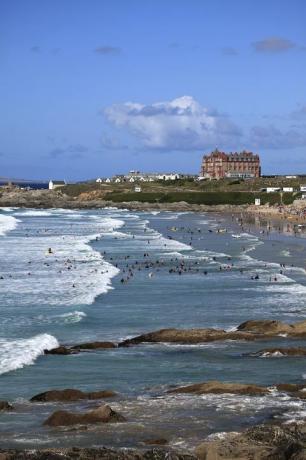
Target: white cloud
{"x": 180, "y": 124}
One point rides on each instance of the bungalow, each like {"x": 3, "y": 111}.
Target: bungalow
{"x": 99, "y": 180}
{"x": 287, "y": 189}
{"x": 107, "y": 180}
{"x": 53, "y": 184}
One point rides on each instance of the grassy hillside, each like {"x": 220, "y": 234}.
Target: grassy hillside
{"x": 207, "y": 198}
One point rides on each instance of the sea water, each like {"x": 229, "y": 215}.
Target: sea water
{"x": 63, "y": 280}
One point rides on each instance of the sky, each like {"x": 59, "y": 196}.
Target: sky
{"x": 92, "y": 88}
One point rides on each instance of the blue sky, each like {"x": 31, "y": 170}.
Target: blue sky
{"x": 96, "y": 87}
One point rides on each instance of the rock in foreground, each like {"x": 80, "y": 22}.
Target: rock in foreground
{"x": 215, "y": 387}
{"x": 71, "y": 394}
{"x": 261, "y": 442}
{"x": 103, "y": 414}
{"x": 103, "y": 453}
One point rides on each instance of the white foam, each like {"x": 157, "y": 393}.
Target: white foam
{"x": 34, "y": 213}
{"x": 16, "y": 354}
{"x": 73, "y": 274}
{"x": 73, "y": 316}
{"x": 7, "y": 223}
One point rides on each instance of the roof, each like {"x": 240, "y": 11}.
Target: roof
{"x": 58, "y": 182}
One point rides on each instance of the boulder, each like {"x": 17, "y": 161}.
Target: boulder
{"x": 264, "y": 327}
{"x": 216, "y": 387}
{"x": 261, "y": 442}
{"x": 60, "y": 351}
{"x": 93, "y": 346}
{"x": 103, "y": 414}
{"x": 278, "y": 352}
{"x": 5, "y": 406}
{"x": 71, "y": 394}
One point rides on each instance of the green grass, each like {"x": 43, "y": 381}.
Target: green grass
{"x": 207, "y": 198}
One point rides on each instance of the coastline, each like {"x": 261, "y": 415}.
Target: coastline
{"x": 160, "y": 453}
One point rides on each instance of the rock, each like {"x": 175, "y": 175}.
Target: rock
{"x": 93, "y": 346}
{"x": 188, "y": 336}
{"x": 278, "y": 352}
{"x": 216, "y": 387}
{"x": 261, "y": 442}
{"x": 157, "y": 442}
{"x": 293, "y": 389}
{"x": 264, "y": 327}
{"x": 102, "y": 453}
{"x": 103, "y": 414}
{"x": 5, "y": 406}
{"x": 249, "y": 330}
{"x": 71, "y": 394}
{"x": 60, "y": 351}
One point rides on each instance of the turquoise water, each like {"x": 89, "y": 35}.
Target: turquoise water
{"x": 75, "y": 294}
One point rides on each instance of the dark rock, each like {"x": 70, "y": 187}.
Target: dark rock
{"x": 71, "y": 394}
{"x": 278, "y": 352}
{"x": 5, "y": 406}
{"x": 216, "y": 387}
{"x": 157, "y": 442}
{"x": 103, "y": 414}
{"x": 93, "y": 346}
{"x": 60, "y": 351}
{"x": 102, "y": 453}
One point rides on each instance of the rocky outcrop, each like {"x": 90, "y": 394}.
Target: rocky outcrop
{"x": 5, "y": 406}
{"x": 70, "y": 394}
{"x": 215, "y": 387}
{"x": 274, "y": 328}
{"x": 93, "y": 346}
{"x": 261, "y": 442}
{"x": 60, "y": 351}
{"x": 188, "y": 336}
{"x": 88, "y": 346}
{"x": 278, "y": 352}
{"x": 249, "y": 330}
{"x": 103, "y": 453}
{"x": 293, "y": 389}
{"x": 103, "y": 414}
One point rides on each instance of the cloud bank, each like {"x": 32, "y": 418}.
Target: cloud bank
{"x": 183, "y": 124}
{"x": 180, "y": 124}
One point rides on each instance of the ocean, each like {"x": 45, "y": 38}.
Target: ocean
{"x": 97, "y": 282}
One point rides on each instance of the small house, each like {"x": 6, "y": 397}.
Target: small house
{"x": 53, "y": 184}
{"x": 137, "y": 189}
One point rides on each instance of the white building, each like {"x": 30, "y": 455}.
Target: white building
{"x": 167, "y": 176}
{"x": 53, "y": 184}
{"x": 303, "y": 188}
{"x": 99, "y": 180}
{"x": 287, "y": 189}
{"x": 273, "y": 189}
{"x": 137, "y": 189}
{"x": 107, "y": 180}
